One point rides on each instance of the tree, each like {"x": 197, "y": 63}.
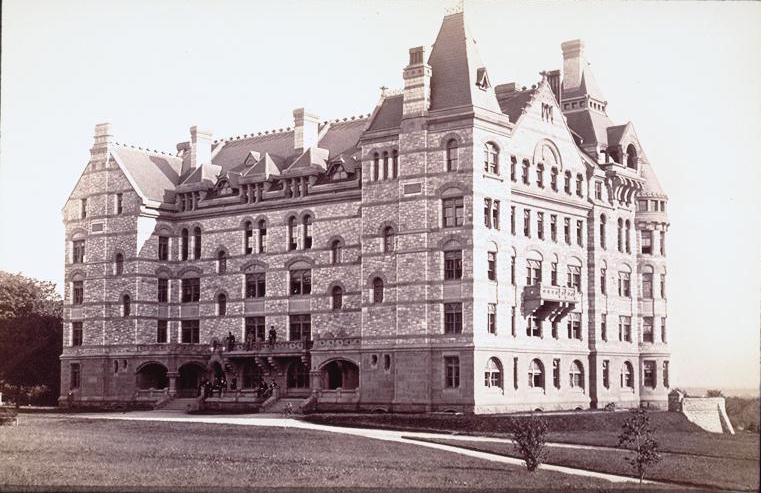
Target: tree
{"x": 714, "y": 393}
{"x": 638, "y": 436}
{"x": 30, "y": 338}
{"x": 529, "y": 437}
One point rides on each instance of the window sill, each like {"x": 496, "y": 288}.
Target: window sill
{"x": 493, "y": 176}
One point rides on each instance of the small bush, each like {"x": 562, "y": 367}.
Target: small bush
{"x": 8, "y": 416}
{"x": 714, "y": 393}
{"x": 611, "y": 406}
{"x": 529, "y": 436}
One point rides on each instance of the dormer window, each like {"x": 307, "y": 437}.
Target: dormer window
{"x": 482, "y": 79}
{"x": 631, "y": 157}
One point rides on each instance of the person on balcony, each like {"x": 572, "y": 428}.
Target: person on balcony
{"x": 273, "y": 335}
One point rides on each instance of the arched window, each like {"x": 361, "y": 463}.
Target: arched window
{"x": 291, "y": 233}
{"x": 491, "y": 158}
{"x": 620, "y": 235}
{"x": 126, "y": 305}
{"x": 335, "y": 252}
{"x": 388, "y": 239}
{"x": 394, "y": 163}
{"x": 452, "y": 155}
{"x": 197, "y": 243}
{"x": 338, "y": 297}
{"x": 221, "y": 262}
{"x": 119, "y": 264}
{"x": 248, "y": 238}
{"x": 262, "y": 226}
{"x": 222, "y": 304}
{"x": 184, "y": 247}
{"x": 377, "y": 290}
{"x": 307, "y": 223}
{"x": 376, "y": 166}
{"x": 493, "y": 374}
{"x": 577, "y": 375}
{"x": 627, "y": 375}
{"x": 536, "y": 374}
{"x": 628, "y": 236}
{"x": 386, "y": 170}
{"x": 631, "y": 156}
{"x": 603, "y": 239}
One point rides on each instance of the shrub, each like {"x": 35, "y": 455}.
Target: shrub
{"x": 714, "y": 393}
{"x": 8, "y": 415}
{"x": 638, "y": 436}
{"x": 529, "y": 436}
{"x": 611, "y": 406}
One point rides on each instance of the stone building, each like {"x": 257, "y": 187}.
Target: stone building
{"x": 466, "y": 246}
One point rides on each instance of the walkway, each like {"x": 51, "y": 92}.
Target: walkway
{"x": 272, "y": 420}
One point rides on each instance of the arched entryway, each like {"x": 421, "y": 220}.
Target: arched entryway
{"x": 340, "y": 374}
{"x": 190, "y": 377}
{"x": 152, "y": 376}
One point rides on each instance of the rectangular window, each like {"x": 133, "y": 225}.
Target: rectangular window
{"x": 540, "y": 225}
{"x": 553, "y": 227}
{"x": 262, "y": 237}
{"x": 663, "y": 286}
{"x": 604, "y": 281}
{"x": 580, "y": 233}
{"x": 453, "y": 265}
{"x": 579, "y": 184}
{"x": 554, "y": 273}
{"x": 255, "y": 329}
{"x": 163, "y": 290}
{"x": 648, "y": 371}
{"x": 256, "y": 285}
{"x": 83, "y": 209}
{"x": 76, "y": 333}
{"x": 555, "y": 334}
{"x": 453, "y": 212}
{"x": 567, "y": 230}
{"x": 301, "y": 282}
{"x": 663, "y": 243}
{"x": 647, "y": 330}
{"x": 604, "y": 326}
{"x": 78, "y": 296}
{"x": 163, "y": 248}
{"x": 495, "y": 214}
{"x": 191, "y": 290}
{"x": 554, "y": 179}
{"x": 540, "y": 175}
{"x": 451, "y": 372}
{"x": 78, "y": 251}
{"x": 642, "y": 205}
{"x": 663, "y": 329}
{"x": 625, "y": 328}
{"x": 524, "y": 172}
{"x": 491, "y": 260}
{"x": 647, "y": 242}
{"x": 574, "y": 277}
{"x": 647, "y": 285}
{"x": 515, "y": 373}
{"x": 512, "y": 219}
{"x": 492, "y": 318}
{"x": 666, "y": 374}
{"x": 487, "y": 213}
{"x": 512, "y": 271}
{"x": 119, "y": 203}
{"x": 606, "y": 373}
{"x": 513, "y": 163}
{"x": 452, "y": 318}
{"x": 300, "y": 327}
{"x": 533, "y": 326}
{"x": 74, "y": 376}
{"x": 527, "y": 223}
{"x": 513, "y": 328}
{"x": 574, "y": 326}
{"x": 533, "y": 272}
{"x": 624, "y": 284}
{"x": 190, "y": 332}
{"x": 161, "y": 331}
{"x": 567, "y": 183}
{"x": 598, "y": 190}
{"x": 556, "y": 373}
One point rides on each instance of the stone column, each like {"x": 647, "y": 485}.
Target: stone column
{"x": 172, "y": 375}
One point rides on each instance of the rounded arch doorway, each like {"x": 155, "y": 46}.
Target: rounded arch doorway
{"x": 341, "y": 374}
{"x": 152, "y": 376}
{"x": 190, "y": 377}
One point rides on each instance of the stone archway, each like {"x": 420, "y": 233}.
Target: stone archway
{"x": 190, "y": 377}
{"x": 152, "y": 376}
{"x": 341, "y": 374}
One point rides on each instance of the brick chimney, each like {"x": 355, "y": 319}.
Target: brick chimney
{"x": 553, "y": 79}
{"x": 573, "y": 63}
{"x": 103, "y": 137}
{"x": 200, "y": 147}
{"x": 417, "y": 84}
{"x": 305, "y": 129}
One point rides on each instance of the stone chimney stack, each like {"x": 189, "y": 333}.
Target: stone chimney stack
{"x": 553, "y": 79}
{"x": 200, "y": 147}
{"x": 417, "y": 84}
{"x": 305, "y": 129}
{"x": 103, "y": 137}
{"x": 573, "y": 63}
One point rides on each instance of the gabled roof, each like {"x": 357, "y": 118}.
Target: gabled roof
{"x": 268, "y": 165}
{"x": 154, "y": 175}
{"x": 455, "y": 64}
{"x": 512, "y": 101}
{"x": 615, "y": 133}
{"x": 590, "y": 125}
{"x": 389, "y": 115}
{"x": 313, "y": 157}
{"x": 205, "y": 174}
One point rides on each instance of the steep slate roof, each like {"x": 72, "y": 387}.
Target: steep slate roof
{"x": 512, "y": 101}
{"x": 389, "y": 115}
{"x": 652, "y": 187}
{"x": 590, "y": 125}
{"x": 454, "y": 65}
{"x": 615, "y": 133}
{"x": 234, "y": 152}
{"x": 342, "y": 136}
{"x": 155, "y": 175}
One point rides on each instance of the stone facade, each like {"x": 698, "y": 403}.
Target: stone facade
{"x": 458, "y": 249}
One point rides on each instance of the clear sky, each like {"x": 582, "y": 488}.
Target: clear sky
{"x": 687, "y": 74}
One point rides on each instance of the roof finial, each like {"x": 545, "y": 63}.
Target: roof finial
{"x": 383, "y": 91}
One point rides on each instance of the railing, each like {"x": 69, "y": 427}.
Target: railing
{"x": 151, "y": 394}
{"x": 267, "y": 347}
{"x": 560, "y": 294}
{"x": 168, "y": 348}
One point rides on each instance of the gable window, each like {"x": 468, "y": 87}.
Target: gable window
{"x": 163, "y": 248}
{"x": 577, "y": 375}
{"x": 624, "y": 284}
{"x": 119, "y": 202}
{"x": 76, "y": 333}
{"x": 291, "y": 233}
{"x": 451, "y": 372}
{"x": 525, "y": 172}
{"x": 163, "y": 290}
{"x": 256, "y": 285}
{"x": 388, "y": 239}
{"x": 536, "y": 374}
{"x": 307, "y": 223}
{"x": 452, "y": 318}
{"x": 580, "y": 232}
{"x": 221, "y": 262}
{"x": 452, "y": 265}
{"x": 83, "y": 209}
{"x": 377, "y": 290}
{"x": 161, "y": 331}
{"x": 491, "y": 266}
{"x": 126, "y": 305}
{"x": 78, "y": 251}
{"x": 78, "y": 295}
{"x": 300, "y": 327}
{"x": 453, "y": 212}
{"x": 579, "y": 185}
{"x": 491, "y": 319}
{"x": 527, "y": 223}
{"x": 554, "y": 227}
{"x": 301, "y": 282}
{"x": 452, "y": 155}
{"x": 493, "y": 374}
{"x": 567, "y": 182}
{"x": 337, "y": 295}
{"x": 603, "y": 239}
{"x": 554, "y": 179}
{"x": 197, "y": 243}
{"x": 533, "y": 272}
{"x": 335, "y": 252}
{"x": 262, "y": 227}
{"x": 222, "y": 304}
{"x": 184, "y": 244}
{"x": 190, "y": 332}
{"x": 491, "y": 158}
{"x": 191, "y": 290}
{"x": 248, "y": 238}
{"x": 647, "y": 330}
{"x": 540, "y": 225}
{"x": 540, "y": 175}
{"x": 119, "y": 264}
{"x": 513, "y": 164}
{"x": 74, "y": 376}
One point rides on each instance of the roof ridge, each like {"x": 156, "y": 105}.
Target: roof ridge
{"x": 279, "y": 131}
{"x": 146, "y": 150}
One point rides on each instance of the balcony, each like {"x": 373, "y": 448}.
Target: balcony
{"x": 270, "y": 349}
{"x": 553, "y": 302}
{"x": 623, "y": 181}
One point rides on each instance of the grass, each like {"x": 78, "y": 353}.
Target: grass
{"x": 64, "y": 452}
{"x": 701, "y": 471}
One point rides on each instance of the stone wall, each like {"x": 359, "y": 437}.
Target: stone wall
{"x": 708, "y": 413}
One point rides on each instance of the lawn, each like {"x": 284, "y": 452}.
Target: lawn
{"x": 701, "y": 471}
{"x": 64, "y": 452}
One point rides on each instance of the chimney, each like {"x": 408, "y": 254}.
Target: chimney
{"x": 200, "y": 147}
{"x": 103, "y": 137}
{"x": 305, "y": 130}
{"x": 573, "y": 63}
{"x": 417, "y": 84}
{"x": 553, "y": 79}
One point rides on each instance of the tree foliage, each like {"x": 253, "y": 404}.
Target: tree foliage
{"x": 638, "y": 436}
{"x": 529, "y": 436}
{"x": 30, "y": 338}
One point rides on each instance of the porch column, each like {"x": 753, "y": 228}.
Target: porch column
{"x": 315, "y": 381}
{"x": 172, "y": 375}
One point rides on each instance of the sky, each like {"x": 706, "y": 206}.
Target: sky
{"x": 687, "y": 74}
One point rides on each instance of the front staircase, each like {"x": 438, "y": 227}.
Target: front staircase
{"x": 278, "y": 406}
{"x": 180, "y": 404}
